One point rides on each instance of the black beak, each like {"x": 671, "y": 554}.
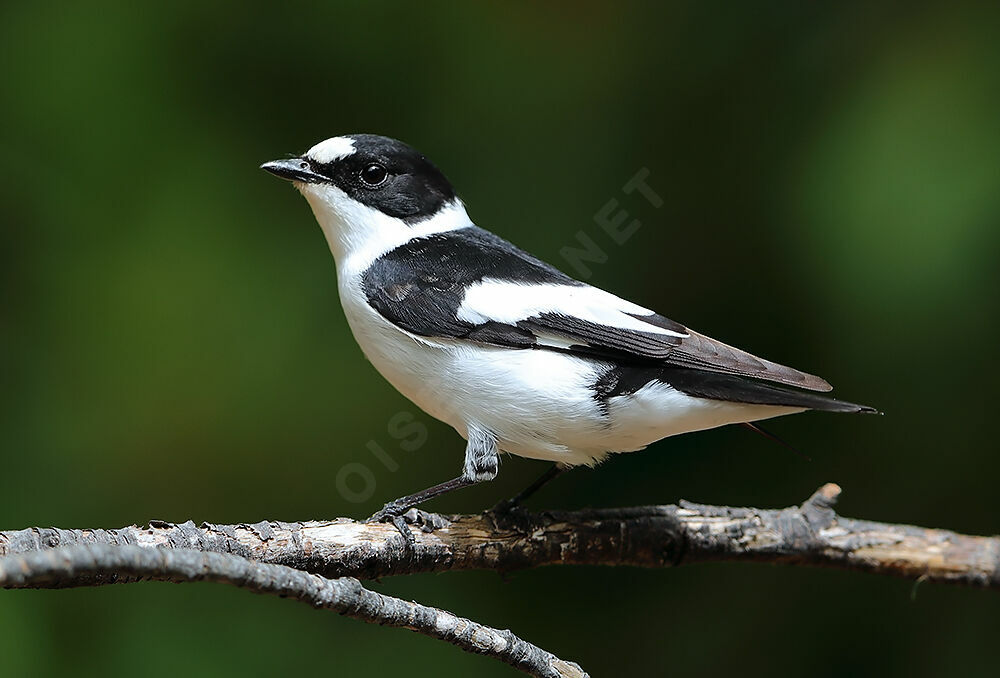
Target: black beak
{"x": 294, "y": 169}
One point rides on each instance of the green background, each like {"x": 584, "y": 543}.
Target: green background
{"x": 173, "y": 346}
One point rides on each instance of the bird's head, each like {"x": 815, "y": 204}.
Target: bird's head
{"x": 369, "y": 191}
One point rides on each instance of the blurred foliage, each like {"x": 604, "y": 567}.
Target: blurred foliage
{"x": 172, "y": 343}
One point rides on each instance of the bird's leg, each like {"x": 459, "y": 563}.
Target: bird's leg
{"x": 507, "y": 505}
{"x": 481, "y": 463}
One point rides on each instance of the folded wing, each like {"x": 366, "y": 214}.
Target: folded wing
{"x": 586, "y": 320}
{"x": 471, "y": 284}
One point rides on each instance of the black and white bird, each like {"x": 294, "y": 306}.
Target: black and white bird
{"x": 515, "y": 355}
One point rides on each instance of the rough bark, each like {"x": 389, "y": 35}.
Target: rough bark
{"x": 345, "y": 595}
{"x": 649, "y": 536}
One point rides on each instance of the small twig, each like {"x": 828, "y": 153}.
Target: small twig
{"x": 647, "y": 536}
{"x": 345, "y": 595}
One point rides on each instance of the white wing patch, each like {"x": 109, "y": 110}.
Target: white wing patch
{"x": 510, "y": 302}
{"x": 330, "y": 150}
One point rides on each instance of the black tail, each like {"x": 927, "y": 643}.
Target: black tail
{"x": 702, "y": 384}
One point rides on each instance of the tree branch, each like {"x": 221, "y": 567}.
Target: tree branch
{"x": 650, "y": 536}
{"x": 345, "y": 595}
{"x": 298, "y": 559}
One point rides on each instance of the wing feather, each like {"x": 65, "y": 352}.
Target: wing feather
{"x": 594, "y": 321}
{"x": 471, "y": 284}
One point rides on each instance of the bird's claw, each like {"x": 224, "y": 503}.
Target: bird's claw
{"x": 401, "y": 518}
{"x": 427, "y": 521}
{"x": 511, "y": 515}
{"x": 505, "y": 507}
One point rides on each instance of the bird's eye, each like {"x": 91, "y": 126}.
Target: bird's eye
{"x": 373, "y": 175}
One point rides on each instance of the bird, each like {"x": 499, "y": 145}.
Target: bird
{"x": 515, "y": 355}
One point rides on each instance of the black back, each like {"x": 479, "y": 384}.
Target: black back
{"x": 420, "y": 285}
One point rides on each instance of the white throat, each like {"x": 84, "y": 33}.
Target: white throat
{"x": 358, "y": 234}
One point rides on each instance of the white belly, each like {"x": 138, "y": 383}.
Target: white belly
{"x": 539, "y": 404}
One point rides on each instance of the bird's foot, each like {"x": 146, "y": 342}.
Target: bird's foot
{"x": 511, "y": 515}
{"x": 426, "y": 521}
{"x": 401, "y": 517}
{"x": 505, "y": 507}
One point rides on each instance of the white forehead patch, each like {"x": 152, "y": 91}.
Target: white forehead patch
{"x": 334, "y": 148}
